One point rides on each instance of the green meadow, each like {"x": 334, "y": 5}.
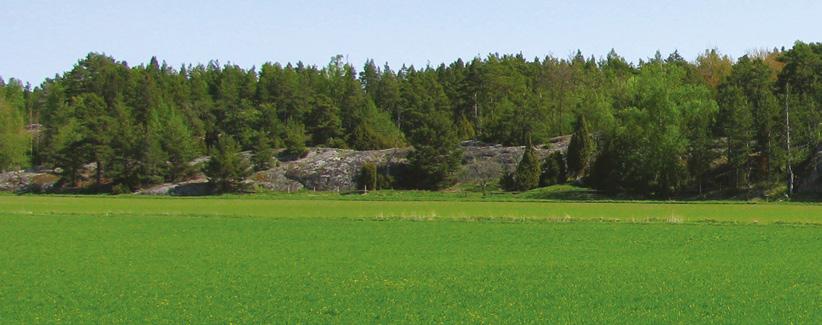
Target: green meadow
{"x": 379, "y": 258}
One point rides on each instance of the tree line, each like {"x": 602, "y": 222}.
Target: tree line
{"x": 660, "y": 127}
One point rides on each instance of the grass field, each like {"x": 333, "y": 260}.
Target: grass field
{"x": 328, "y": 259}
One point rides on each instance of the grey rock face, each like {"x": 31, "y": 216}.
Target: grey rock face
{"x": 326, "y": 169}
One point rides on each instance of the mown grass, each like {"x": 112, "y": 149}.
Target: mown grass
{"x": 255, "y": 260}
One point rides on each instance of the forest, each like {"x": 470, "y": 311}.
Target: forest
{"x": 661, "y": 127}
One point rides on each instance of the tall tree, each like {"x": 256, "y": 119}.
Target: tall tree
{"x": 14, "y": 146}
{"x": 736, "y": 122}
{"x": 581, "y": 150}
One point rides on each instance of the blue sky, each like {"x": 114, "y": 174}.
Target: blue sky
{"x": 42, "y": 38}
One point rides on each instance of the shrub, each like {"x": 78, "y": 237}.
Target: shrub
{"x": 368, "y": 176}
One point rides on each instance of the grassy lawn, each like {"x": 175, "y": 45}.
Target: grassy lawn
{"x": 320, "y": 260}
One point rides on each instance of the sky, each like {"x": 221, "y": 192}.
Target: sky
{"x": 44, "y": 38}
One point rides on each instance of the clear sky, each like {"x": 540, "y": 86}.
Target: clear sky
{"x": 42, "y": 38}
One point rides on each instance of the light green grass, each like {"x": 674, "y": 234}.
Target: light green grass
{"x": 255, "y": 260}
{"x": 326, "y": 205}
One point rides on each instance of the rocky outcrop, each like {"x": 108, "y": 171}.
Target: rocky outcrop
{"x": 328, "y": 169}
{"x": 477, "y": 155}
{"x": 34, "y": 181}
{"x": 321, "y": 169}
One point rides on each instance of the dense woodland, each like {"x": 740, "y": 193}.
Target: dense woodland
{"x": 664, "y": 126}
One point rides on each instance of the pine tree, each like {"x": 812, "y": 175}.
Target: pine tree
{"x": 227, "y": 168}
{"x": 124, "y": 167}
{"x": 325, "y": 124}
{"x": 91, "y": 112}
{"x": 736, "y": 121}
{"x": 580, "y": 150}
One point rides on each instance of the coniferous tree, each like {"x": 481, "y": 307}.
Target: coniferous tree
{"x": 325, "y": 124}
{"x": 152, "y": 158}
{"x": 125, "y": 164}
{"x": 553, "y": 170}
{"x": 176, "y": 141}
{"x": 581, "y": 149}
{"x": 528, "y": 171}
{"x": 436, "y": 154}
{"x": 657, "y": 121}
{"x": 262, "y": 157}
{"x": 736, "y": 122}
{"x": 295, "y": 139}
{"x": 227, "y": 168}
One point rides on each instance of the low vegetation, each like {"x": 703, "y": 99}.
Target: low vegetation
{"x": 326, "y": 258}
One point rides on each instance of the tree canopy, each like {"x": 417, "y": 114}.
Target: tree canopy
{"x": 662, "y": 126}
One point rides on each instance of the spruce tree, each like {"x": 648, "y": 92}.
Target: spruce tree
{"x": 436, "y": 155}
{"x": 227, "y": 168}
{"x": 295, "y": 139}
{"x": 580, "y": 150}
{"x": 262, "y": 157}
{"x": 553, "y": 170}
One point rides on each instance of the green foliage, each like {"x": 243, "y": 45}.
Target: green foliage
{"x": 553, "y": 170}
{"x": 295, "y": 139}
{"x": 648, "y": 152}
{"x": 658, "y": 122}
{"x": 367, "y": 179}
{"x": 326, "y": 126}
{"x": 581, "y": 150}
{"x": 66, "y": 143}
{"x": 176, "y": 142}
{"x": 14, "y": 141}
{"x": 436, "y": 155}
{"x": 465, "y": 130}
{"x": 528, "y": 171}
{"x": 227, "y": 168}
{"x": 262, "y": 157}
{"x": 736, "y": 121}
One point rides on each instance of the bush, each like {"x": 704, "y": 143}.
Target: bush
{"x": 528, "y": 171}
{"x": 581, "y": 150}
{"x": 368, "y": 177}
{"x": 553, "y": 170}
{"x": 121, "y": 189}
